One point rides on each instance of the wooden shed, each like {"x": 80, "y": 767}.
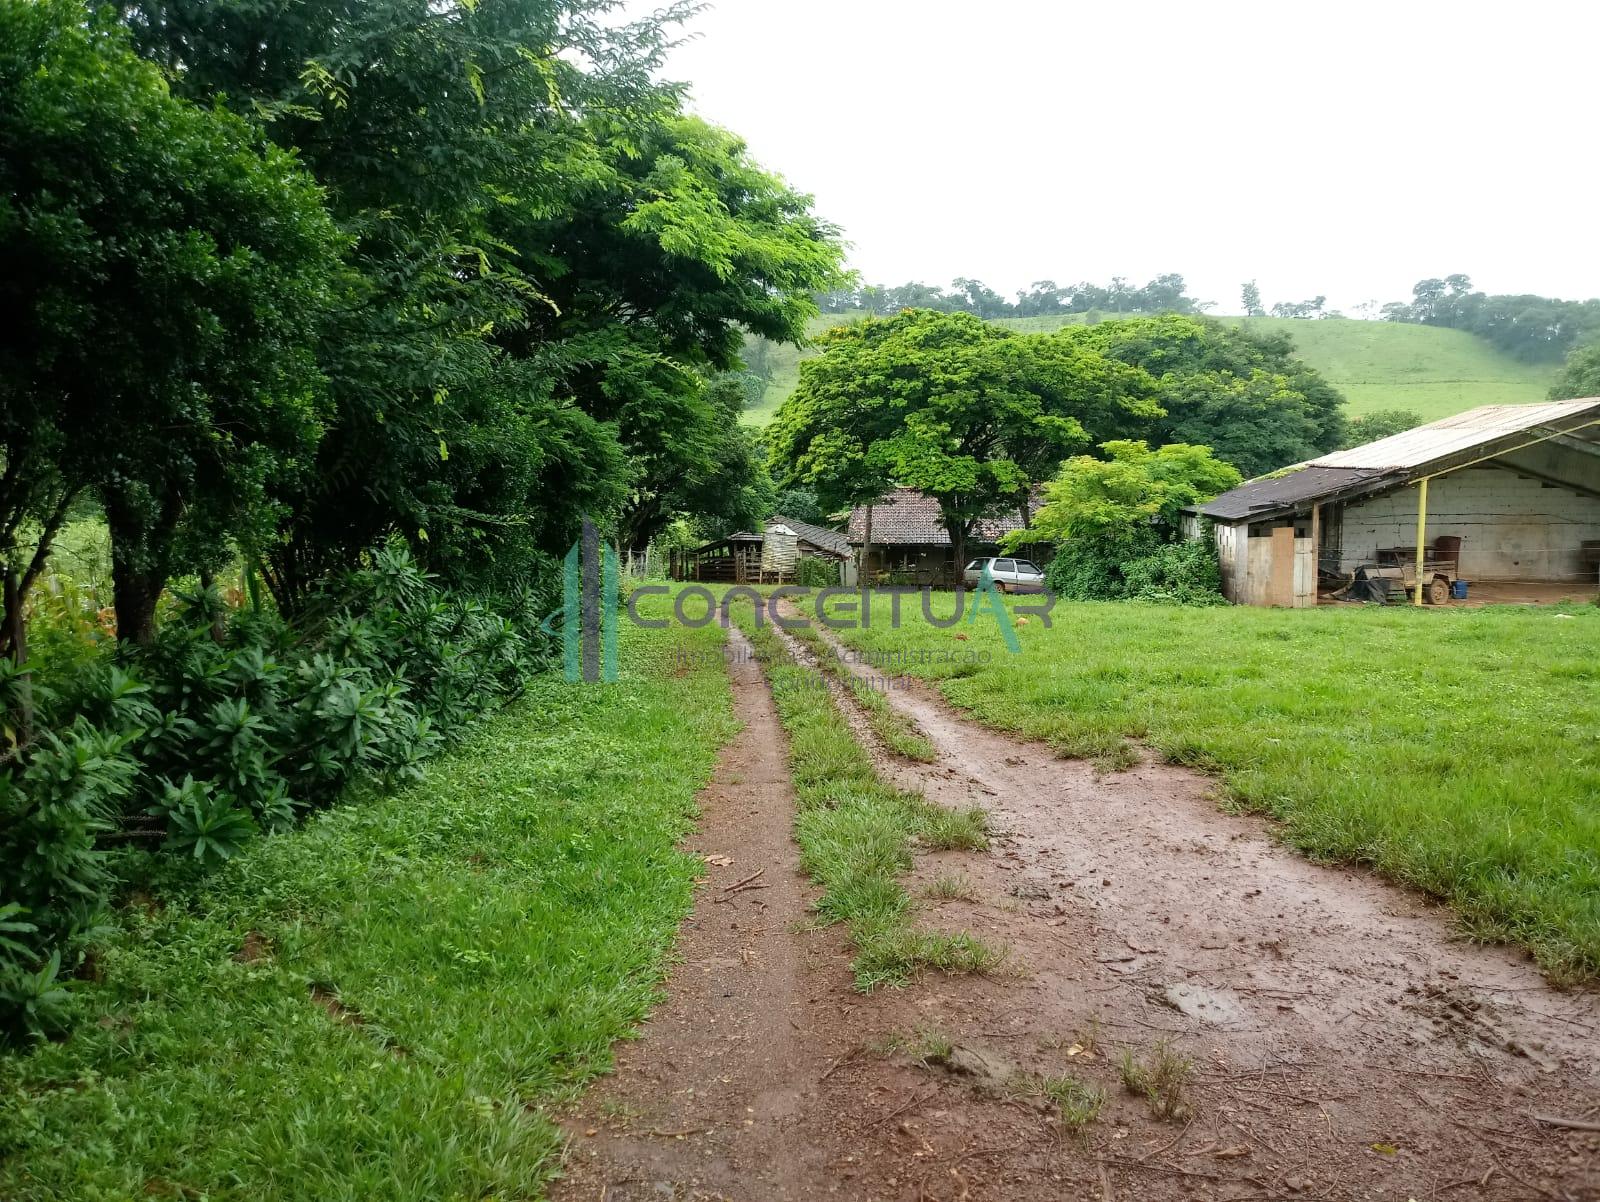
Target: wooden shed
{"x": 767, "y": 557}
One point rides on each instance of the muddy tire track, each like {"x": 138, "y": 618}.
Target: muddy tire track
{"x": 1339, "y": 1027}
{"x": 1342, "y": 1044}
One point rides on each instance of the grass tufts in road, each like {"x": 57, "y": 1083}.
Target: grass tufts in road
{"x": 1078, "y": 1102}
{"x": 1162, "y": 1078}
{"x": 1451, "y": 749}
{"x": 951, "y": 886}
{"x": 856, "y": 832}
{"x": 379, "y": 1004}
{"x": 899, "y": 734}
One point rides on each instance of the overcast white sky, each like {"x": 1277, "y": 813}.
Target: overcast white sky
{"x": 1341, "y": 148}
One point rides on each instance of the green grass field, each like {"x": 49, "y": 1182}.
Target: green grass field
{"x": 1454, "y": 750}
{"x": 1376, "y": 364}
{"x": 487, "y": 934}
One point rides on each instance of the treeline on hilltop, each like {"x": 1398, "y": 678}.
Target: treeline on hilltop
{"x": 1536, "y": 329}
{"x": 1164, "y": 294}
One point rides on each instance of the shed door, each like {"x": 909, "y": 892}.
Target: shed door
{"x": 1281, "y": 589}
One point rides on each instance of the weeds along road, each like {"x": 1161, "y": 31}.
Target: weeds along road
{"x": 1186, "y": 1009}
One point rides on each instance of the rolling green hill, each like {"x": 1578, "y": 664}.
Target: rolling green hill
{"x": 1376, "y": 364}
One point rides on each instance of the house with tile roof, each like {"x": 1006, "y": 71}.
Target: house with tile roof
{"x": 909, "y": 538}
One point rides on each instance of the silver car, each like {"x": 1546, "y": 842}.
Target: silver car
{"x": 1009, "y": 575}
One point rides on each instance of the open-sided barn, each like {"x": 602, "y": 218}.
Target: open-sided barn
{"x": 767, "y": 556}
{"x": 1503, "y": 493}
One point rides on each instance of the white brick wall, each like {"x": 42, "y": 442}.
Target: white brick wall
{"x": 1511, "y": 527}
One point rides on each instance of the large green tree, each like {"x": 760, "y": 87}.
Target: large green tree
{"x": 167, "y": 276}
{"x": 966, "y": 412}
{"x": 1108, "y": 514}
{"x": 553, "y": 261}
{"x": 1380, "y": 423}
{"x": 1241, "y": 393}
{"x": 1581, "y": 375}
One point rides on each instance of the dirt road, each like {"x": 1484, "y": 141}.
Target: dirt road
{"x": 1341, "y": 1043}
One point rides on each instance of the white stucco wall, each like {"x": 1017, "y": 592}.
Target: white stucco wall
{"x": 1511, "y": 527}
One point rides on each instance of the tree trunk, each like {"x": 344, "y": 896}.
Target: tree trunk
{"x": 16, "y": 639}
{"x": 958, "y": 541}
{"x": 134, "y": 595}
{"x": 140, "y": 552}
{"x": 219, "y": 619}
{"x": 866, "y": 553}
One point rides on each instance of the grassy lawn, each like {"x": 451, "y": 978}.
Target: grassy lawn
{"x": 486, "y": 933}
{"x": 1456, "y": 750}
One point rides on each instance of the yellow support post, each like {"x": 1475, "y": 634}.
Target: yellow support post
{"x": 1422, "y": 529}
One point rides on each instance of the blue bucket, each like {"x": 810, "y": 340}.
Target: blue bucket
{"x": 1458, "y": 590}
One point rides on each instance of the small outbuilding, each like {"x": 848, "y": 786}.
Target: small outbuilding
{"x": 1503, "y": 494}
{"x": 767, "y": 556}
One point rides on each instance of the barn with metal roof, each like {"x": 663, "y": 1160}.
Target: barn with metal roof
{"x": 1503, "y": 493}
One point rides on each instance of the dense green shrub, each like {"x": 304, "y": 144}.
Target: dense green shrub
{"x": 1091, "y": 568}
{"x": 1185, "y": 572}
{"x": 222, "y": 730}
{"x": 812, "y": 571}
{"x": 1139, "y": 567}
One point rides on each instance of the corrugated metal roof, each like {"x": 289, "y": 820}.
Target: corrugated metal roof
{"x": 1491, "y": 429}
{"x": 1271, "y": 494}
{"x": 1464, "y": 432}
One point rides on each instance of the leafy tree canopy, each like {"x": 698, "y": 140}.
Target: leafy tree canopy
{"x": 1043, "y": 298}
{"x": 167, "y": 277}
{"x": 1242, "y": 393}
{"x": 554, "y": 259}
{"x": 1581, "y": 375}
{"x": 969, "y": 413}
{"x": 1537, "y": 329}
{"x": 800, "y": 504}
{"x": 1131, "y": 489}
{"x": 1380, "y": 423}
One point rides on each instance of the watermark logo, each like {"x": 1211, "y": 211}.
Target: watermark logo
{"x": 592, "y": 603}
{"x": 589, "y": 591}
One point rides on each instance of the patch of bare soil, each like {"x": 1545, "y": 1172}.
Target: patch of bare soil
{"x": 1340, "y": 1042}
